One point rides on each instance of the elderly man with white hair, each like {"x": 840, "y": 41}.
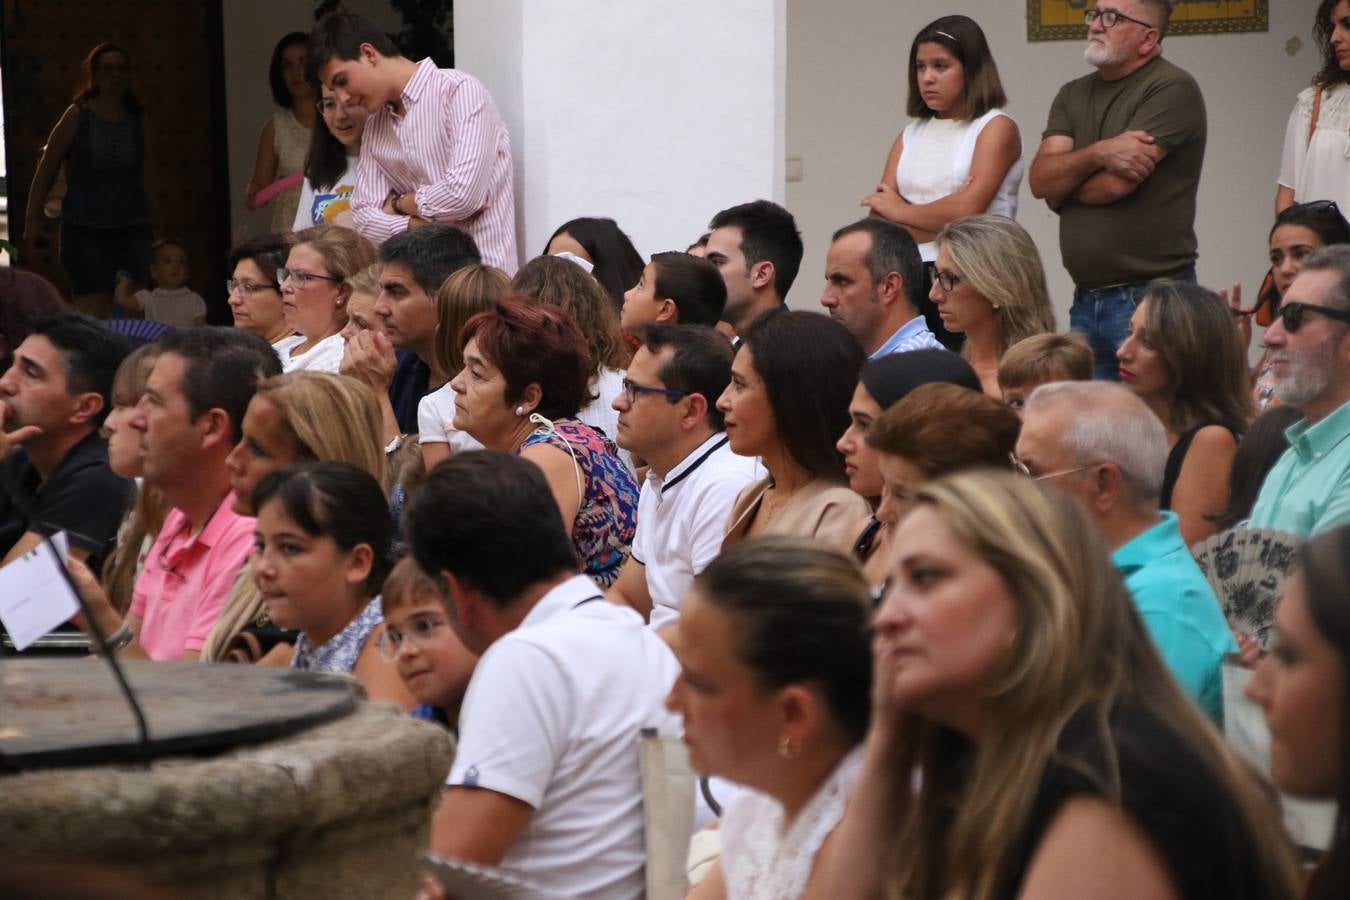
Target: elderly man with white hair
{"x": 1099, "y": 443}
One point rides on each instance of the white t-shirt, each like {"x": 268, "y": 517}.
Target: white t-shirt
{"x": 317, "y": 207}
{"x": 325, "y": 356}
{"x": 935, "y": 163}
{"x": 552, "y": 717}
{"x": 179, "y": 308}
{"x": 436, "y": 422}
{"x": 682, "y": 520}
{"x": 1318, "y": 169}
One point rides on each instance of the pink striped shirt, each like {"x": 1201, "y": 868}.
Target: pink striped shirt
{"x": 452, "y": 148}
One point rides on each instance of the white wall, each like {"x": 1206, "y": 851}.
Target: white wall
{"x": 846, "y": 89}
{"x": 657, "y": 115}
{"x": 251, "y": 30}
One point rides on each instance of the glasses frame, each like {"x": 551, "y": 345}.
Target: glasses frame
{"x": 1111, "y": 18}
{"x": 388, "y": 647}
{"x": 1022, "y": 469}
{"x": 947, "y": 280}
{"x": 249, "y": 288}
{"x": 1291, "y": 314}
{"x": 631, "y": 391}
{"x": 303, "y": 279}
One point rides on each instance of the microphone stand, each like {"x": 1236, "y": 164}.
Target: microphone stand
{"x": 100, "y": 640}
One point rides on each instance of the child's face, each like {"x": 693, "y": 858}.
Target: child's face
{"x": 434, "y": 665}
{"x": 169, "y": 267}
{"x": 1015, "y": 397}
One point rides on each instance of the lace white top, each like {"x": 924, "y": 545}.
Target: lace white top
{"x": 1318, "y": 169}
{"x": 762, "y": 862}
{"x": 935, "y": 162}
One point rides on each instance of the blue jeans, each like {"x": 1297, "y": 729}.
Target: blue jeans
{"x": 1102, "y": 315}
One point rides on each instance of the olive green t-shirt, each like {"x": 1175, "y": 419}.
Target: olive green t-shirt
{"x": 1150, "y": 233}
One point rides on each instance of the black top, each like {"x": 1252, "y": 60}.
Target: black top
{"x": 1181, "y": 807}
{"x": 412, "y": 377}
{"x": 1177, "y": 456}
{"x": 83, "y": 497}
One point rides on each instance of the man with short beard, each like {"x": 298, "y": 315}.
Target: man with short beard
{"x": 1308, "y": 491}
{"x": 1120, "y": 162}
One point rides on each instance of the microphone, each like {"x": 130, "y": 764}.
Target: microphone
{"x": 100, "y": 640}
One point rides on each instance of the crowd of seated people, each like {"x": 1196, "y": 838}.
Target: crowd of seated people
{"x": 929, "y": 620}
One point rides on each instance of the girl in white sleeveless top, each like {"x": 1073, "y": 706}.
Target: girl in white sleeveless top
{"x": 962, "y": 155}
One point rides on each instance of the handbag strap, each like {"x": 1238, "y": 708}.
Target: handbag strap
{"x": 1317, "y": 109}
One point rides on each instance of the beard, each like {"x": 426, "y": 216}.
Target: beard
{"x": 1305, "y": 375}
{"x": 1100, "y": 54}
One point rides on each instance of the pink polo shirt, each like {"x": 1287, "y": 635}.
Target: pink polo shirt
{"x": 187, "y": 577}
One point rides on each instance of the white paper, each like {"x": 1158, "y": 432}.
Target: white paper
{"x": 34, "y": 595}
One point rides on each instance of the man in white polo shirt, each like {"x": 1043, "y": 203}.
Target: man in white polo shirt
{"x": 546, "y": 780}
{"x": 668, "y": 417}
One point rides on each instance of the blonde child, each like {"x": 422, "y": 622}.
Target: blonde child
{"x": 1041, "y": 359}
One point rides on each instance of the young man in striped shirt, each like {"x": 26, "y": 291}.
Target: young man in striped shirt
{"x": 434, "y": 149}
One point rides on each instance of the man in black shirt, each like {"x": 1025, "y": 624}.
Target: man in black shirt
{"x": 53, "y": 399}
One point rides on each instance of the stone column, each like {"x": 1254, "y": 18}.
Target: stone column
{"x": 655, "y": 114}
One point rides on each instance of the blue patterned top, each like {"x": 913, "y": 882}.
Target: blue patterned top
{"x": 604, "y": 526}
{"x": 339, "y": 653}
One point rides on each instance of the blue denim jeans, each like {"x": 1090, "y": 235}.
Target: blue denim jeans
{"x": 1102, "y": 315}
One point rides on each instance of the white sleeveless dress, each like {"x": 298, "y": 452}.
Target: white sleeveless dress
{"x": 935, "y": 162}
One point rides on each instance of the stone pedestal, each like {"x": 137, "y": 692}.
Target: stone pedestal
{"x": 341, "y": 810}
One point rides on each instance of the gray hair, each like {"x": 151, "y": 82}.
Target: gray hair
{"x": 1110, "y": 424}
{"x": 1164, "y": 10}
{"x": 1333, "y": 258}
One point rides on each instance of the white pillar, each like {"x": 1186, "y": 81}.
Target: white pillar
{"x": 657, "y": 115}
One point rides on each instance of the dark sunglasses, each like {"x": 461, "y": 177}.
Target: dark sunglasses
{"x": 1292, "y": 314}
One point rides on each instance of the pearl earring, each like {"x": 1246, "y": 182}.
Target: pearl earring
{"x": 520, "y": 412}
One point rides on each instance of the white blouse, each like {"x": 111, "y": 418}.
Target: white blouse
{"x": 762, "y": 862}
{"x": 1319, "y": 169}
{"x": 935, "y": 162}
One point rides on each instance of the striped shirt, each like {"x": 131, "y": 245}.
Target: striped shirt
{"x": 452, "y": 149}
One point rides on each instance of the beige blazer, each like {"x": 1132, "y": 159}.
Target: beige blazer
{"x": 820, "y": 509}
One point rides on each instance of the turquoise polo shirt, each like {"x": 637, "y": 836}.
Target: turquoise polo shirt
{"x": 1308, "y": 490}
{"x": 1180, "y": 609}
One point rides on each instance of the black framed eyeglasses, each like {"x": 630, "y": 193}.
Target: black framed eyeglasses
{"x": 631, "y": 390}
{"x": 304, "y": 278}
{"x": 948, "y": 280}
{"x": 1293, "y": 313}
{"x": 1110, "y": 17}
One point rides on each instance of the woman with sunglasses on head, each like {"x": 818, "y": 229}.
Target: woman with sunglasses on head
{"x": 255, "y": 291}
{"x": 314, "y": 295}
{"x": 330, "y": 165}
{"x": 787, "y": 403}
{"x": 285, "y": 138}
{"x": 962, "y": 154}
{"x": 1184, "y": 358}
{"x": 1026, "y": 738}
{"x": 526, "y": 375}
{"x": 1303, "y": 686}
{"x": 1317, "y": 138}
{"x": 322, "y": 552}
{"x": 1298, "y": 231}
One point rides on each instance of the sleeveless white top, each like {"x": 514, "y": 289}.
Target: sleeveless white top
{"x": 935, "y": 162}
{"x": 762, "y": 862}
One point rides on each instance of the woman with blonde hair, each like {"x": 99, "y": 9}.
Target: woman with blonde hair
{"x": 1026, "y": 738}
{"x": 556, "y": 281}
{"x": 364, "y": 291}
{"x": 463, "y": 295}
{"x": 989, "y": 284}
{"x": 1185, "y": 358}
{"x": 292, "y": 418}
{"x": 314, "y": 295}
